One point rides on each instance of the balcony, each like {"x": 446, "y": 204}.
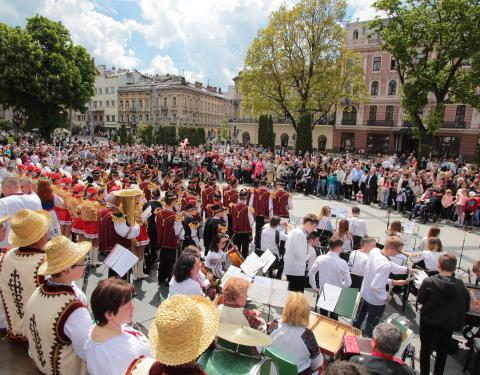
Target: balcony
{"x": 347, "y": 121}
{"x": 164, "y": 107}
{"x": 454, "y": 124}
{"x": 380, "y": 122}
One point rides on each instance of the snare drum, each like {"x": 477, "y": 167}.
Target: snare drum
{"x": 220, "y": 362}
{"x": 329, "y": 333}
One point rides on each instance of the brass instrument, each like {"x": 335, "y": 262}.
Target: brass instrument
{"x": 128, "y": 203}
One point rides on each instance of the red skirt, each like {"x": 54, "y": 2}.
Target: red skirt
{"x": 142, "y": 238}
{"x": 77, "y": 225}
{"x": 63, "y": 216}
{"x": 90, "y": 229}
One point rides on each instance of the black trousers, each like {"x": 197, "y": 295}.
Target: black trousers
{"x": 356, "y": 281}
{"x": 431, "y": 337}
{"x": 242, "y": 241}
{"x": 167, "y": 260}
{"x": 296, "y": 283}
{"x": 259, "y": 223}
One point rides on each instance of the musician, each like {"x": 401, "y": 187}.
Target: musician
{"x": 444, "y": 300}
{"x": 428, "y": 258}
{"x": 190, "y": 225}
{"x": 169, "y": 232}
{"x": 281, "y": 201}
{"x": 234, "y": 310}
{"x": 385, "y": 344}
{"x": 331, "y": 269}
{"x": 376, "y": 285}
{"x": 217, "y": 201}
{"x": 230, "y": 196}
{"x": 185, "y": 272}
{"x": 291, "y": 335}
{"x": 272, "y": 238}
{"x": 433, "y": 231}
{"x": 175, "y": 340}
{"x": 89, "y": 216}
{"x": 58, "y": 319}
{"x": 151, "y": 254}
{"x": 207, "y": 193}
{"x": 216, "y": 256}
{"x": 212, "y": 225}
{"x": 242, "y": 221}
{"x": 261, "y": 202}
{"x": 358, "y": 227}
{"x": 73, "y": 209}
{"x": 296, "y": 253}
{"x": 113, "y": 228}
{"x": 19, "y": 267}
{"x": 357, "y": 261}
{"x": 112, "y": 307}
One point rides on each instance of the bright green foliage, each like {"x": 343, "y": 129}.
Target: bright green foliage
{"x": 130, "y": 139}
{"x": 123, "y": 135}
{"x": 42, "y": 73}
{"x": 166, "y": 135}
{"x": 196, "y": 136}
{"x": 436, "y": 45}
{"x": 304, "y": 133}
{"x": 298, "y": 63}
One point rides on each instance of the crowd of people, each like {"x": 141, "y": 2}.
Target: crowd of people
{"x": 195, "y": 212}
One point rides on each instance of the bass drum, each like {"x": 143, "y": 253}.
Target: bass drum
{"x": 220, "y": 362}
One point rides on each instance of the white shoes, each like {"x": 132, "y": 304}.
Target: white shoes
{"x": 95, "y": 261}
{"x": 138, "y": 271}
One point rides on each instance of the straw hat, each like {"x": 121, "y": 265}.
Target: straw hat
{"x": 4, "y": 219}
{"x": 61, "y": 254}
{"x": 184, "y": 327}
{"x": 28, "y": 226}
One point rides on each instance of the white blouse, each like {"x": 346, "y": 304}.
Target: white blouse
{"x": 115, "y": 355}
{"x": 430, "y": 258}
{"x": 213, "y": 261}
{"x": 188, "y": 287}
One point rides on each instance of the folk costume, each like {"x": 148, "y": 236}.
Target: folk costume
{"x": 57, "y": 320}
{"x": 242, "y": 221}
{"x": 213, "y": 225}
{"x": 281, "y": 202}
{"x": 73, "y": 206}
{"x": 261, "y": 202}
{"x": 19, "y": 267}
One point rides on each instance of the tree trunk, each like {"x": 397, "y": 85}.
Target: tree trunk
{"x": 70, "y": 124}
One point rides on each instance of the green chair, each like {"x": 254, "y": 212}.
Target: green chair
{"x": 285, "y": 367}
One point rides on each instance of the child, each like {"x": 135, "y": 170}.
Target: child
{"x": 461, "y": 199}
{"x": 401, "y": 198}
{"x": 332, "y": 179}
{"x": 216, "y": 257}
{"x": 470, "y": 208}
{"x": 359, "y": 197}
{"x": 447, "y": 205}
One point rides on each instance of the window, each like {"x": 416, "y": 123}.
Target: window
{"x": 106, "y": 90}
{"x": 349, "y": 116}
{"x": 460, "y": 114}
{"x": 378, "y": 143}
{"x": 355, "y": 34}
{"x": 446, "y": 146}
{"x": 146, "y": 117}
{"x": 174, "y": 101}
{"x": 100, "y": 103}
{"x": 107, "y": 103}
{"x": 174, "y": 118}
{"x": 100, "y": 91}
{"x": 389, "y": 113}
{"x": 94, "y": 117}
{"x": 374, "y": 88}
{"x": 164, "y": 118}
{"x": 392, "y": 87}
{"x": 121, "y": 103}
{"x": 127, "y": 103}
{"x": 347, "y": 142}
{"x": 165, "y": 102}
{"x": 377, "y": 63}
{"x": 372, "y": 114}
{"x": 322, "y": 143}
{"x": 393, "y": 64}
{"x": 284, "y": 140}
{"x": 113, "y": 118}
{"x": 140, "y": 117}
{"x": 140, "y": 103}
{"x": 112, "y": 90}
{"x": 112, "y": 102}
{"x": 121, "y": 118}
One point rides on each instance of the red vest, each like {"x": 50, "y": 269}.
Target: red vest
{"x": 208, "y": 209}
{"x": 280, "y": 203}
{"x": 230, "y": 196}
{"x": 165, "y": 229}
{"x": 240, "y": 223}
{"x": 261, "y": 199}
{"x": 108, "y": 237}
{"x": 226, "y": 191}
{"x": 207, "y": 196}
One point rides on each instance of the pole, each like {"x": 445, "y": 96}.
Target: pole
{"x": 70, "y": 124}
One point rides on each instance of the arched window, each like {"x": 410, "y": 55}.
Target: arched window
{"x": 322, "y": 143}
{"x": 355, "y": 34}
{"x": 374, "y": 88}
{"x": 392, "y": 87}
{"x": 349, "y": 116}
{"x": 284, "y": 140}
{"x": 245, "y": 138}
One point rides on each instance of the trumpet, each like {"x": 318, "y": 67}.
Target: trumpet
{"x": 128, "y": 203}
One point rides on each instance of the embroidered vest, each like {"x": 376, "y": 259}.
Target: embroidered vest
{"x": 47, "y": 311}
{"x": 240, "y": 223}
{"x": 280, "y": 203}
{"x": 18, "y": 280}
{"x": 261, "y": 199}
{"x": 165, "y": 229}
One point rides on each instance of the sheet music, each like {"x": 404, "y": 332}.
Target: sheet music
{"x": 340, "y": 211}
{"x": 252, "y": 265}
{"x": 328, "y": 297}
{"x": 409, "y": 227}
{"x": 146, "y": 213}
{"x": 269, "y": 291}
{"x": 419, "y": 276}
{"x": 236, "y": 272}
{"x": 121, "y": 260}
{"x": 267, "y": 258}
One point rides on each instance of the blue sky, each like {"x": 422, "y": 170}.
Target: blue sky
{"x": 205, "y": 40}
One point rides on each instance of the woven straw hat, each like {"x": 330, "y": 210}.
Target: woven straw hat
{"x": 184, "y": 327}
{"x": 4, "y": 219}
{"x": 28, "y": 226}
{"x": 61, "y": 254}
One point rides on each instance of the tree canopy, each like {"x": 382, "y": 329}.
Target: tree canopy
{"x": 436, "y": 45}
{"x": 298, "y": 63}
{"x": 43, "y": 74}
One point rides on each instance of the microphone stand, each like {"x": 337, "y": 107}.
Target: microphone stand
{"x": 388, "y": 216}
{"x": 463, "y": 246}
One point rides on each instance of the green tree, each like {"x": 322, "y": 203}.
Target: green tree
{"x": 304, "y": 133}
{"x": 436, "y": 45}
{"x": 200, "y": 136}
{"x": 262, "y": 129}
{"x": 43, "y": 75}
{"x": 115, "y": 138}
{"x": 270, "y": 141}
{"x": 123, "y": 135}
{"x": 130, "y": 139}
{"x": 298, "y": 63}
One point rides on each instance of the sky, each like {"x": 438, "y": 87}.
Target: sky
{"x": 204, "y": 40}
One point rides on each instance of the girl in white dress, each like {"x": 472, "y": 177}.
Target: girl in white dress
{"x": 112, "y": 345}
{"x": 216, "y": 257}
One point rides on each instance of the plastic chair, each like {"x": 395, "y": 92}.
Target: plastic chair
{"x": 285, "y": 367}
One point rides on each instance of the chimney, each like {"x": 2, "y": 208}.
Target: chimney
{"x": 198, "y": 85}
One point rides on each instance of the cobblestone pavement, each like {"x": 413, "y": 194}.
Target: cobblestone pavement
{"x": 15, "y": 361}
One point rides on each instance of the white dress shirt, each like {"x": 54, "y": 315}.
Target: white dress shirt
{"x": 357, "y": 262}
{"x": 376, "y": 277}
{"x": 331, "y": 269}
{"x": 267, "y": 239}
{"x": 357, "y": 226}
{"x": 188, "y": 287}
{"x": 430, "y": 258}
{"x": 296, "y": 252}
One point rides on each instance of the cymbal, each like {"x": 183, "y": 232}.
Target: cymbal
{"x": 243, "y": 335}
